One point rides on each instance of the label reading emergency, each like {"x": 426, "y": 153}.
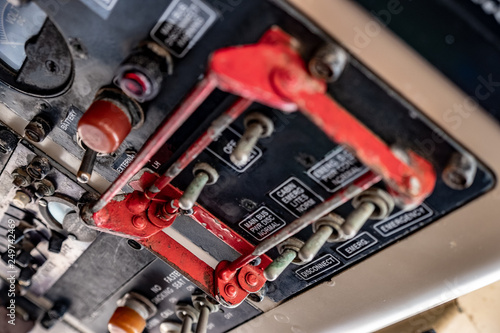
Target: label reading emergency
{"x": 224, "y": 146}
{"x": 357, "y": 245}
{"x": 338, "y": 168}
{"x": 317, "y": 267}
{"x": 296, "y": 197}
{"x": 262, "y": 223}
{"x": 70, "y": 122}
{"x": 182, "y": 25}
{"x": 403, "y": 220}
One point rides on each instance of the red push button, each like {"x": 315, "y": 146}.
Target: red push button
{"x": 104, "y": 126}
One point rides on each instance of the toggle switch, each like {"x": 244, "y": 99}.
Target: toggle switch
{"x": 256, "y": 126}
{"x": 326, "y": 229}
{"x": 188, "y": 314}
{"x": 205, "y": 306}
{"x": 288, "y": 254}
{"x": 373, "y": 203}
{"x": 86, "y": 166}
{"x": 204, "y": 175}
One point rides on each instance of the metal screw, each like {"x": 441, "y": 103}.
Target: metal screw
{"x": 256, "y": 126}
{"x": 21, "y": 199}
{"x": 52, "y": 316}
{"x": 204, "y": 175}
{"x": 37, "y": 129}
{"x": 44, "y": 188}
{"x": 288, "y": 254}
{"x": 203, "y": 304}
{"x": 460, "y": 172}
{"x": 326, "y": 229}
{"x": 43, "y": 202}
{"x": 21, "y": 178}
{"x": 8, "y": 141}
{"x": 328, "y": 62}
{"x": 38, "y": 167}
{"x": 86, "y": 167}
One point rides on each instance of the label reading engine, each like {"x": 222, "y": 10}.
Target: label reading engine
{"x": 262, "y": 223}
{"x": 182, "y": 25}
{"x": 337, "y": 169}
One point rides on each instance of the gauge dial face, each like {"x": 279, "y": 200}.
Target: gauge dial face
{"x": 17, "y": 26}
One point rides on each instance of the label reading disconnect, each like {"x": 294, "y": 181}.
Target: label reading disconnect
{"x": 122, "y": 162}
{"x": 262, "y": 223}
{"x": 317, "y": 267}
{"x": 337, "y": 169}
{"x": 182, "y": 24}
{"x": 70, "y": 122}
{"x": 224, "y": 146}
{"x": 357, "y": 245}
{"x": 296, "y": 197}
{"x": 403, "y": 220}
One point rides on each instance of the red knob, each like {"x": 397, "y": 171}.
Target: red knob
{"x": 104, "y": 126}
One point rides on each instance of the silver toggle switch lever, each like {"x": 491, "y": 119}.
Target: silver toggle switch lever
{"x": 288, "y": 254}
{"x": 256, "y": 126}
{"x": 188, "y": 314}
{"x": 204, "y": 175}
{"x": 205, "y": 306}
{"x": 86, "y": 167}
{"x": 374, "y": 203}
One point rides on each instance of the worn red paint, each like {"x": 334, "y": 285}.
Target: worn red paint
{"x": 273, "y": 73}
{"x": 182, "y": 260}
{"x": 270, "y": 72}
{"x": 117, "y": 218}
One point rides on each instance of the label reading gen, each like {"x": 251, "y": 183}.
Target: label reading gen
{"x": 224, "y": 146}
{"x": 295, "y": 197}
{"x": 357, "y": 245}
{"x": 262, "y": 223}
{"x": 403, "y": 220}
{"x": 182, "y": 24}
{"x": 317, "y": 267}
{"x": 338, "y": 168}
